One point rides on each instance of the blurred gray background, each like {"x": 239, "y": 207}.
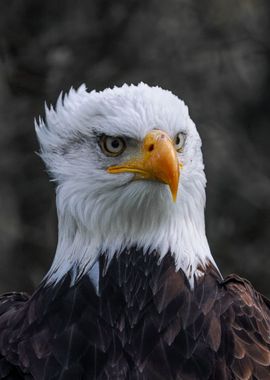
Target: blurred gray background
{"x": 215, "y": 54}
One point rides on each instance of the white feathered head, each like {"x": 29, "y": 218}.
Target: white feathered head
{"x": 129, "y": 171}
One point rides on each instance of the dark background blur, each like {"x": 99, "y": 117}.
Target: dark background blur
{"x": 215, "y": 54}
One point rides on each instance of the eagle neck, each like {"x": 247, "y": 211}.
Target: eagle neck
{"x": 182, "y": 236}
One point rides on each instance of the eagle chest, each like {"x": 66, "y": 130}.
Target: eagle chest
{"x": 143, "y": 322}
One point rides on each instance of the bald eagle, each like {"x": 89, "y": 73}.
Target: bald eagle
{"x": 133, "y": 291}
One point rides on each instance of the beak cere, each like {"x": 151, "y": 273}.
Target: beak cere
{"x": 157, "y": 162}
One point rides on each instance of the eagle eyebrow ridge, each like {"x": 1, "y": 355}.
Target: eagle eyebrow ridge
{"x": 73, "y": 142}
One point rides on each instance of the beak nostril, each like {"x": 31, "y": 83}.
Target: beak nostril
{"x": 151, "y": 147}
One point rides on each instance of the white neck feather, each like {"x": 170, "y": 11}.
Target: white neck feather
{"x": 90, "y": 226}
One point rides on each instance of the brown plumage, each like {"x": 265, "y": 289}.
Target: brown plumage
{"x": 145, "y": 323}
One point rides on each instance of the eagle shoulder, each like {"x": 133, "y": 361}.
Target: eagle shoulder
{"x": 12, "y": 300}
{"x": 10, "y": 309}
{"x": 248, "y": 317}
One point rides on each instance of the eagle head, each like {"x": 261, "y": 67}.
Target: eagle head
{"x": 128, "y": 166}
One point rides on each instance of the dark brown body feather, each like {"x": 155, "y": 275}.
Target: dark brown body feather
{"x": 146, "y": 323}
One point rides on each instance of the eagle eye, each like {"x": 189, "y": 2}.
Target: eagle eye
{"x": 180, "y": 139}
{"x": 112, "y": 146}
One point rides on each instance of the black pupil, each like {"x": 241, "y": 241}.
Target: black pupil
{"x": 177, "y": 140}
{"x": 115, "y": 144}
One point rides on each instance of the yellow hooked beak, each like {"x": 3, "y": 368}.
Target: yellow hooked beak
{"x": 158, "y": 161}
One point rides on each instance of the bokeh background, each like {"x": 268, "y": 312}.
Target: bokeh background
{"x": 215, "y": 54}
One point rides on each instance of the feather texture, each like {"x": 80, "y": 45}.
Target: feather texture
{"x": 88, "y": 198}
{"x": 145, "y": 323}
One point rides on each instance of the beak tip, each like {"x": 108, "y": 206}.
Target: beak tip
{"x": 174, "y": 197}
{"x": 173, "y": 185}
{"x": 174, "y": 194}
